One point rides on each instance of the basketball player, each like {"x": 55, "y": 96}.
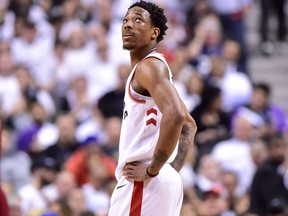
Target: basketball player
{"x": 157, "y": 130}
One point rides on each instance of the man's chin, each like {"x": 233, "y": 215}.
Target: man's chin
{"x": 125, "y": 47}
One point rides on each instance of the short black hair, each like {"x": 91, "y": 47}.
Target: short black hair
{"x": 263, "y": 87}
{"x": 157, "y": 16}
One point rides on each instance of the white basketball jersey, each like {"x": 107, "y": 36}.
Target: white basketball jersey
{"x": 140, "y": 124}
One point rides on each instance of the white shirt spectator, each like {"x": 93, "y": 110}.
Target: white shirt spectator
{"x": 79, "y": 60}
{"x": 97, "y": 200}
{"x": 234, "y": 155}
{"x": 31, "y": 199}
{"x": 38, "y": 56}
{"x": 102, "y": 78}
{"x": 9, "y": 93}
{"x": 10, "y": 172}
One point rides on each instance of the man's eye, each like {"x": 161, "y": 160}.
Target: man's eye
{"x": 138, "y": 20}
{"x": 124, "y": 20}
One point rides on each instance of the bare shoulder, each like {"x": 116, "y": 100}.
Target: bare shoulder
{"x": 150, "y": 73}
{"x": 152, "y": 66}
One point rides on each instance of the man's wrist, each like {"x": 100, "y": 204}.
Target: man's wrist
{"x": 151, "y": 175}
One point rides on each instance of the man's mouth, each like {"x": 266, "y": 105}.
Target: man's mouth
{"x": 127, "y": 35}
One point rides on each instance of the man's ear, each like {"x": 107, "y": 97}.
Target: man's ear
{"x": 155, "y": 33}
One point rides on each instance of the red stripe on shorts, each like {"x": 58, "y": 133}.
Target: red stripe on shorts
{"x": 136, "y": 201}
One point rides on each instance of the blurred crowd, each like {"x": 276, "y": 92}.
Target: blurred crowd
{"x": 62, "y": 79}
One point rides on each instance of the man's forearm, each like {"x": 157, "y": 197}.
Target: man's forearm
{"x": 170, "y": 130}
{"x": 186, "y": 141}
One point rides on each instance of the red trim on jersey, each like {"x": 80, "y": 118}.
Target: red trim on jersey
{"x": 151, "y": 121}
{"x": 136, "y": 201}
{"x": 152, "y": 110}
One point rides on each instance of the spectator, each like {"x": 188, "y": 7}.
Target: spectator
{"x": 232, "y": 17}
{"x": 76, "y": 202}
{"x": 10, "y": 94}
{"x": 95, "y": 190}
{"x": 77, "y": 163}
{"x": 207, "y": 42}
{"x": 271, "y": 116}
{"x": 59, "y": 189}
{"x": 79, "y": 99}
{"x": 59, "y": 207}
{"x": 10, "y": 160}
{"x": 25, "y": 50}
{"x": 79, "y": 53}
{"x": 214, "y": 202}
{"x": 208, "y": 174}
{"x": 39, "y": 134}
{"x": 234, "y": 154}
{"x": 103, "y": 74}
{"x": 43, "y": 172}
{"x": 267, "y": 188}
{"x": 30, "y": 93}
{"x": 238, "y": 204}
{"x": 225, "y": 75}
{"x": 112, "y": 130}
{"x": 66, "y": 143}
{"x": 212, "y": 122}
{"x": 111, "y": 103}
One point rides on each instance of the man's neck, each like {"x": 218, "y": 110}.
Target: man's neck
{"x": 137, "y": 55}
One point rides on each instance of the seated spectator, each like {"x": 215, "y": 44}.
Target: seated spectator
{"x": 268, "y": 185}
{"x": 194, "y": 86}
{"x": 79, "y": 98}
{"x": 111, "y": 103}
{"x": 234, "y": 154}
{"x": 76, "y": 202}
{"x": 43, "y": 172}
{"x": 207, "y": 40}
{"x": 232, "y": 17}
{"x": 10, "y": 160}
{"x": 59, "y": 189}
{"x": 66, "y": 143}
{"x": 212, "y": 122}
{"x": 236, "y": 87}
{"x": 236, "y": 203}
{"x": 214, "y": 202}
{"x": 77, "y": 163}
{"x": 30, "y": 93}
{"x": 103, "y": 74}
{"x": 40, "y": 134}
{"x": 96, "y": 190}
{"x": 25, "y": 50}
{"x": 208, "y": 174}
{"x": 10, "y": 93}
{"x": 58, "y": 207}
{"x": 271, "y": 115}
{"x": 112, "y": 129}
{"x": 79, "y": 53}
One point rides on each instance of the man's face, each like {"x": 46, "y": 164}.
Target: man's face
{"x": 136, "y": 28}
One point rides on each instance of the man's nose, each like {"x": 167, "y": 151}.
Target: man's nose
{"x": 128, "y": 24}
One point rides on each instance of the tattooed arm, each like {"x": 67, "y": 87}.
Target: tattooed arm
{"x": 186, "y": 141}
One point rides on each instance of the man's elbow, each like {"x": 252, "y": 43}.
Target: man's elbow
{"x": 178, "y": 116}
